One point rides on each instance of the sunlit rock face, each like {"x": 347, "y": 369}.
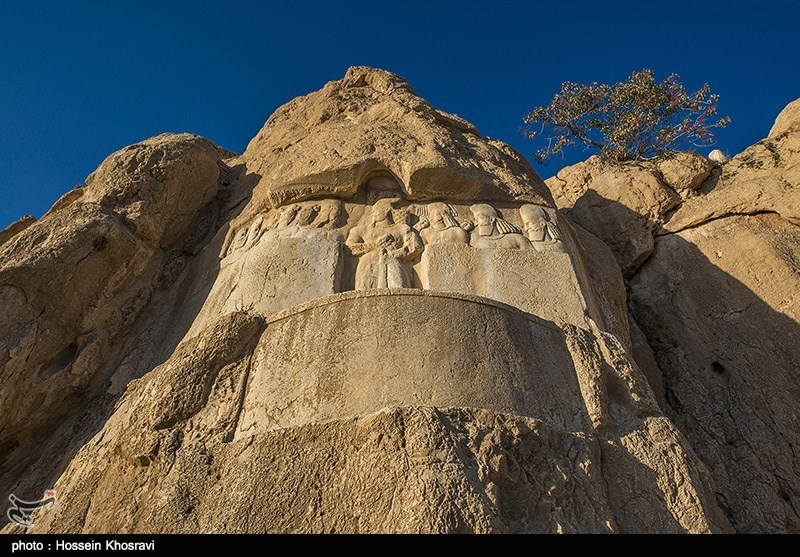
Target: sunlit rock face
{"x": 714, "y": 289}
{"x": 373, "y": 320}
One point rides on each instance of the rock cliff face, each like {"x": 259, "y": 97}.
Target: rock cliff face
{"x": 377, "y": 320}
{"x": 714, "y": 283}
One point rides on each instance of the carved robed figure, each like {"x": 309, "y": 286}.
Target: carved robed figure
{"x": 384, "y": 248}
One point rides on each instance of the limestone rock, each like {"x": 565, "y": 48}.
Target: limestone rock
{"x": 728, "y": 349}
{"x": 604, "y": 274}
{"x": 373, "y": 320}
{"x": 621, "y": 204}
{"x": 372, "y": 124}
{"x": 68, "y": 198}
{"x": 174, "y": 444}
{"x": 399, "y": 470}
{"x": 685, "y": 171}
{"x": 763, "y": 178}
{"x": 74, "y": 283}
{"x": 718, "y": 156}
{"x": 15, "y": 228}
{"x": 158, "y": 186}
{"x": 788, "y": 120}
{"x": 717, "y": 300}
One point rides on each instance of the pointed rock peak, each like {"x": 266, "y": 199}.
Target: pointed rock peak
{"x": 788, "y": 119}
{"x": 379, "y": 80}
{"x": 371, "y": 123}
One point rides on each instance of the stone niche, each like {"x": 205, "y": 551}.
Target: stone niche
{"x": 515, "y": 254}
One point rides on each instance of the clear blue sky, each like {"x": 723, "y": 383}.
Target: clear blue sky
{"x": 82, "y": 79}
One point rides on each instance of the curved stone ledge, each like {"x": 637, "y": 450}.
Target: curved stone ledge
{"x": 352, "y": 294}
{"x": 408, "y": 347}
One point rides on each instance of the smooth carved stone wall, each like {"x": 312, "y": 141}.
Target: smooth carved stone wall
{"x": 408, "y": 347}
{"x": 541, "y": 283}
{"x": 285, "y": 268}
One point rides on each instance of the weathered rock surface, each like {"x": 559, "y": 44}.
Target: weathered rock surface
{"x": 718, "y": 156}
{"x": 717, "y": 299}
{"x": 625, "y": 204}
{"x": 15, "y": 228}
{"x": 761, "y": 179}
{"x": 375, "y": 320}
{"x": 728, "y": 348}
{"x": 370, "y": 124}
{"x": 74, "y": 283}
{"x": 172, "y": 458}
{"x": 788, "y": 120}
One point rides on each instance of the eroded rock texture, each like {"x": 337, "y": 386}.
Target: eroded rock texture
{"x": 376, "y": 320}
{"x": 75, "y": 284}
{"x": 713, "y": 282}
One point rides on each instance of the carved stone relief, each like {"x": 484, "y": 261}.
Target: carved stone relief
{"x": 492, "y": 231}
{"x": 439, "y": 224}
{"x": 303, "y": 250}
{"x": 385, "y": 245}
{"x": 290, "y": 221}
{"x": 542, "y": 232}
{"x": 392, "y": 229}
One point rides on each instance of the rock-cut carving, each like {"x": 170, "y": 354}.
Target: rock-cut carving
{"x": 492, "y": 231}
{"x": 439, "y": 225}
{"x": 541, "y": 231}
{"x": 385, "y": 247}
{"x": 247, "y": 236}
{"x": 317, "y": 214}
{"x": 320, "y": 214}
{"x": 296, "y": 218}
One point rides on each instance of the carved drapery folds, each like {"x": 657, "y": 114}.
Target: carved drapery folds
{"x": 385, "y": 246}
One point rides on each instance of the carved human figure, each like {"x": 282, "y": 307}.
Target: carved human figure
{"x": 324, "y": 213}
{"x": 540, "y": 230}
{"x": 328, "y": 213}
{"x": 281, "y": 217}
{"x": 295, "y": 218}
{"x": 245, "y": 237}
{"x": 492, "y": 231}
{"x": 384, "y": 247}
{"x": 287, "y": 216}
{"x": 239, "y": 240}
{"x": 441, "y": 227}
{"x": 308, "y": 214}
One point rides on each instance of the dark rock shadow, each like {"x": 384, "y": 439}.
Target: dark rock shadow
{"x": 730, "y": 361}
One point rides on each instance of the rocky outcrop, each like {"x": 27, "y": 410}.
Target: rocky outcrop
{"x": 74, "y": 284}
{"x": 375, "y": 320}
{"x": 716, "y": 295}
{"x": 15, "y": 228}
{"x": 371, "y": 124}
{"x": 761, "y": 179}
{"x": 787, "y": 121}
{"x": 728, "y": 348}
{"x": 193, "y": 440}
{"x": 625, "y": 204}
